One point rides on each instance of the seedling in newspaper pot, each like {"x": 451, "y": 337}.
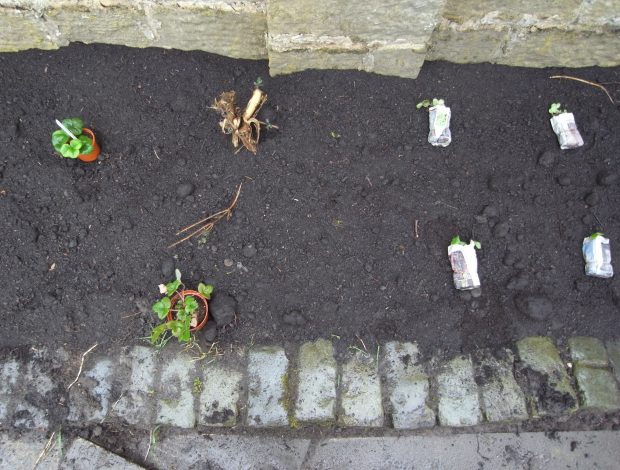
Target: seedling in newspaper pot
{"x": 563, "y": 124}
{"x": 438, "y": 122}
{"x": 464, "y": 263}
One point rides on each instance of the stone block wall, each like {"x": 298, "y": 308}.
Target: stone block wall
{"x": 391, "y": 37}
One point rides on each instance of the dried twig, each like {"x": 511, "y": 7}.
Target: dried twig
{"x": 587, "y": 82}
{"x": 45, "y": 450}
{"x": 362, "y": 341}
{"x": 82, "y": 365}
{"x": 206, "y": 225}
{"x": 152, "y": 440}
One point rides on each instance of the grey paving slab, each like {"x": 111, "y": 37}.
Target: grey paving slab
{"x": 267, "y": 387}
{"x": 22, "y": 451}
{"x": 84, "y": 455}
{"x": 221, "y": 392}
{"x": 588, "y": 351}
{"x": 532, "y": 451}
{"x": 545, "y": 380}
{"x": 406, "y": 386}
{"x": 136, "y": 403}
{"x": 458, "y": 394}
{"x": 9, "y": 374}
{"x": 360, "y": 392}
{"x": 613, "y": 352}
{"x": 174, "y": 393}
{"x": 191, "y": 451}
{"x": 32, "y": 413}
{"x": 89, "y": 398}
{"x": 502, "y": 398}
{"x": 316, "y": 389}
{"x": 597, "y": 388}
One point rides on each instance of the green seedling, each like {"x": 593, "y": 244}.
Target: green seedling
{"x": 556, "y": 109}
{"x": 197, "y": 386}
{"x": 334, "y": 135}
{"x": 70, "y": 142}
{"x": 258, "y": 82}
{"x": 457, "y": 241}
{"x": 595, "y": 235}
{"x": 184, "y": 310}
{"x": 429, "y": 103}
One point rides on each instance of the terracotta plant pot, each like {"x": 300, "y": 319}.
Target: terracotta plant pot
{"x": 198, "y": 296}
{"x": 92, "y": 156}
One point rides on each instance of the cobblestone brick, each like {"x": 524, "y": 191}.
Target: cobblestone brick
{"x": 268, "y": 387}
{"x": 597, "y": 388}
{"x": 544, "y": 377}
{"x": 588, "y": 351}
{"x": 458, "y": 394}
{"x": 360, "y": 392}
{"x": 174, "y": 393}
{"x": 502, "y": 398}
{"x": 407, "y": 386}
{"x": 316, "y": 397}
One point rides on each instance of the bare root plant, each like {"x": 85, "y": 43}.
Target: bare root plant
{"x": 242, "y": 126}
{"x": 206, "y": 225}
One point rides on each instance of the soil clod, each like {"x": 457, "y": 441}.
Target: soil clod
{"x": 223, "y": 308}
{"x": 534, "y": 307}
{"x": 294, "y": 318}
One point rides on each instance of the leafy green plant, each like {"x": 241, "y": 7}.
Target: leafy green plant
{"x": 457, "y": 241}
{"x": 556, "y": 109}
{"x": 66, "y": 145}
{"x": 185, "y": 310}
{"x": 258, "y": 82}
{"x": 429, "y": 103}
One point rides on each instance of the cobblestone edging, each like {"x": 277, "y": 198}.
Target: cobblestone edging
{"x": 265, "y": 387}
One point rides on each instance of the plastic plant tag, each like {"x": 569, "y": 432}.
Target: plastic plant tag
{"x": 565, "y": 128}
{"x": 597, "y": 255}
{"x": 439, "y": 126}
{"x": 464, "y": 265}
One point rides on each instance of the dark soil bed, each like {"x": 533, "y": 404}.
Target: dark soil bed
{"x": 324, "y": 237}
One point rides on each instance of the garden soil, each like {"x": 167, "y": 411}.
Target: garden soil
{"x": 345, "y": 213}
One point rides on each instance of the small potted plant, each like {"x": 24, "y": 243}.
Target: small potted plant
{"x": 73, "y": 140}
{"x": 564, "y": 126}
{"x": 184, "y": 311}
{"x": 438, "y": 122}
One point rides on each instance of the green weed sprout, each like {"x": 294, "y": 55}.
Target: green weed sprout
{"x": 66, "y": 145}
{"x": 184, "y": 310}
{"x": 429, "y": 103}
{"x": 556, "y": 108}
{"x": 457, "y": 241}
{"x": 595, "y": 235}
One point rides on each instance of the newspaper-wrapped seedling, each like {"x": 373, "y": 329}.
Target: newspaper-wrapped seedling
{"x": 438, "y": 122}
{"x": 597, "y": 255}
{"x": 464, "y": 263}
{"x": 564, "y": 126}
